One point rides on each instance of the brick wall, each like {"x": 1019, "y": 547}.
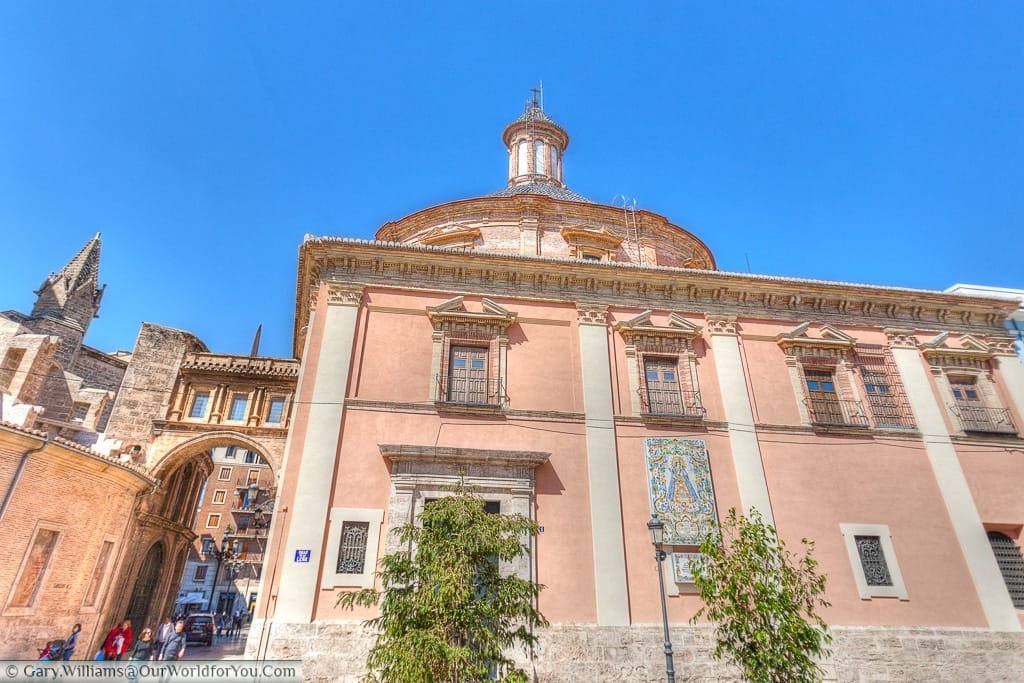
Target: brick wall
{"x": 96, "y": 502}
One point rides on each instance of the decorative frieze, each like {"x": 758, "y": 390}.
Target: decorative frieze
{"x": 343, "y": 295}
{"x": 721, "y": 324}
{"x": 592, "y": 314}
{"x": 900, "y": 339}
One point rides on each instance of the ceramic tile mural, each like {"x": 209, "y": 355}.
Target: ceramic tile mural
{"x": 679, "y": 480}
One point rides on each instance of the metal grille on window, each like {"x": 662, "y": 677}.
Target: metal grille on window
{"x": 1011, "y": 565}
{"x": 872, "y": 559}
{"x": 352, "y": 553}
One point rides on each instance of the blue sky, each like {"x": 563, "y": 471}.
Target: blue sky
{"x": 864, "y": 142}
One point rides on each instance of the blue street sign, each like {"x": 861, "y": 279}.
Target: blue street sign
{"x": 302, "y": 555}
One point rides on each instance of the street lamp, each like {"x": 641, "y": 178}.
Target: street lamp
{"x": 657, "y": 530}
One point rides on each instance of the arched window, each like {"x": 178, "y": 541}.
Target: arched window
{"x": 1011, "y": 565}
{"x": 540, "y": 162}
{"x": 524, "y": 156}
{"x": 554, "y": 162}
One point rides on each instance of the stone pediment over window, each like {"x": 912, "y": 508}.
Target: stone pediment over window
{"x": 451, "y": 236}
{"x": 641, "y": 326}
{"x": 968, "y": 351}
{"x": 453, "y": 312}
{"x": 590, "y": 242}
{"x": 825, "y": 340}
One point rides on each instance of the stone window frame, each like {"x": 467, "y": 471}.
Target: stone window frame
{"x": 898, "y": 589}
{"x": 196, "y": 578}
{"x": 832, "y": 351}
{"x": 246, "y": 399}
{"x": 225, "y": 469}
{"x": 675, "y": 341}
{"x": 105, "y": 577}
{"x": 455, "y": 326}
{"x": 973, "y": 361}
{"x": 1010, "y": 562}
{"x": 193, "y": 393}
{"x": 222, "y": 493}
{"x": 285, "y": 409}
{"x": 210, "y": 523}
{"x": 587, "y": 241}
{"x": 52, "y": 560}
{"x": 338, "y": 516}
{"x": 421, "y": 473}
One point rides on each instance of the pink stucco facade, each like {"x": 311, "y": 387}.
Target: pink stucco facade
{"x": 566, "y": 310}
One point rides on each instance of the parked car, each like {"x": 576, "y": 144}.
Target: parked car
{"x": 199, "y": 628}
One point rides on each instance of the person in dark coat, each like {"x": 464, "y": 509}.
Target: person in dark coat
{"x": 174, "y": 648}
{"x": 145, "y": 648}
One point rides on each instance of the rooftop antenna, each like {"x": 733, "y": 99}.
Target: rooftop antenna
{"x": 538, "y": 97}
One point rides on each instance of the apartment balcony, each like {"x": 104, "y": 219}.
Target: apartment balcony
{"x": 836, "y": 412}
{"x": 249, "y": 532}
{"x": 985, "y": 420}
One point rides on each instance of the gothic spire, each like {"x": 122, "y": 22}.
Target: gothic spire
{"x": 73, "y": 295}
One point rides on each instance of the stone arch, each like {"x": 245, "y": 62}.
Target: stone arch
{"x": 204, "y": 443}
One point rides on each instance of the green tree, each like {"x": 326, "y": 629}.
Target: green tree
{"x": 446, "y": 613}
{"x": 763, "y": 599}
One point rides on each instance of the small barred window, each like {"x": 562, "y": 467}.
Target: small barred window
{"x": 352, "y": 553}
{"x": 1011, "y": 565}
{"x": 872, "y": 559}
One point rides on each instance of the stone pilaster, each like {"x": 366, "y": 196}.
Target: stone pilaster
{"x": 956, "y": 494}
{"x": 732, "y": 381}
{"x": 297, "y": 588}
{"x": 603, "y": 468}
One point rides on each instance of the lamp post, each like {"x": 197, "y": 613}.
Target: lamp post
{"x": 657, "y": 530}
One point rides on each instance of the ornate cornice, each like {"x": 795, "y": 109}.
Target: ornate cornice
{"x": 715, "y": 293}
{"x": 450, "y": 236}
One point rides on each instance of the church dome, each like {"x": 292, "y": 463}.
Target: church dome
{"x": 536, "y": 214}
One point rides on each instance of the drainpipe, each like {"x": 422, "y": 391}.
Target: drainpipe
{"x": 17, "y": 475}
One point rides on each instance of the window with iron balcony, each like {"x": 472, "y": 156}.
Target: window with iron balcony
{"x": 661, "y": 360}
{"x": 469, "y": 360}
{"x": 963, "y": 370}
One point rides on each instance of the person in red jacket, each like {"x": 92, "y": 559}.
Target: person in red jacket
{"x": 118, "y": 641}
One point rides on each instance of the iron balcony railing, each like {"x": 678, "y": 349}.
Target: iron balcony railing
{"x": 890, "y": 414}
{"x": 984, "y": 419}
{"x": 671, "y": 403}
{"x": 837, "y": 412}
{"x": 464, "y": 392}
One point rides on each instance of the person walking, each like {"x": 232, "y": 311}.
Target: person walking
{"x": 145, "y": 648}
{"x": 71, "y": 642}
{"x": 174, "y": 648}
{"x": 236, "y": 623}
{"x": 118, "y": 640}
{"x": 163, "y": 633}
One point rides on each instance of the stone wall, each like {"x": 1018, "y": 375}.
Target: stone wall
{"x": 575, "y": 653}
{"x": 99, "y": 370}
{"x": 148, "y": 382}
